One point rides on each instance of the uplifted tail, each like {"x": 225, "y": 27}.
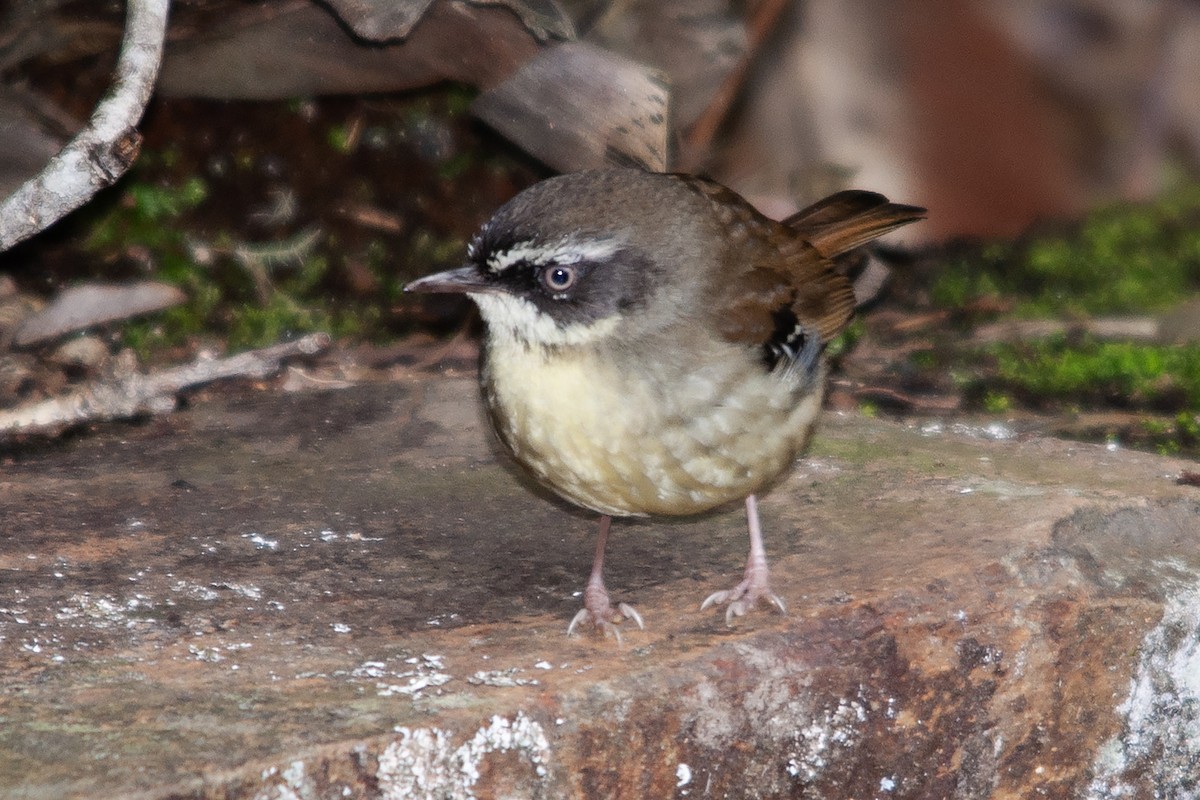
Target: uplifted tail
{"x": 846, "y": 220}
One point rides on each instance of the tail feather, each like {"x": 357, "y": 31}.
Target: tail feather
{"x": 848, "y": 219}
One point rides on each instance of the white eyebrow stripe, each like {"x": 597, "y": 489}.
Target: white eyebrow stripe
{"x": 565, "y": 251}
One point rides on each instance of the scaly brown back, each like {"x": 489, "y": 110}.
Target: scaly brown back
{"x": 791, "y": 273}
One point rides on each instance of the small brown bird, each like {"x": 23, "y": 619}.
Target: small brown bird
{"x": 654, "y": 345}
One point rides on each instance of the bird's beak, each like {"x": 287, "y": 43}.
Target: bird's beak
{"x": 463, "y": 280}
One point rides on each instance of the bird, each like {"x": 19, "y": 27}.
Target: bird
{"x": 653, "y": 345}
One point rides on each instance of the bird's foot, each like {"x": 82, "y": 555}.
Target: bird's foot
{"x": 756, "y": 581}
{"x": 599, "y": 611}
{"x": 744, "y": 597}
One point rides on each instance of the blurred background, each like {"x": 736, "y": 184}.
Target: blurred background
{"x": 994, "y": 114}
{"x": 302, "y": 160}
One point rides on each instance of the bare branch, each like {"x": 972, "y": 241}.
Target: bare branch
{"x": 103, "y": 150}
{"x": 135, "y": 393}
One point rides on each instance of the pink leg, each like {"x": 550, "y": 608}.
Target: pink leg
{"x": 596, "y": 605}
{"x": 756, "y": 584}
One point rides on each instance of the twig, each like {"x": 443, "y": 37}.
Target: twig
{"x": 697, "y": 141}
{"x": 136, "y": 394}
{"x": 1135, "y": 329}
{"x": 257, "y": 259}
{"x": 102, "y": 151}
{"x": 271, "y": 254}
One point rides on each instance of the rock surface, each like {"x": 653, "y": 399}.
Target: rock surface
{"x": 346, "y": 594}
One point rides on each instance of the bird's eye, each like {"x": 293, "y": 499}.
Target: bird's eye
{"x": 559, "y": 279}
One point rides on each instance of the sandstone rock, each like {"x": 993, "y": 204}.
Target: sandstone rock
{"x": 346, "y": 594}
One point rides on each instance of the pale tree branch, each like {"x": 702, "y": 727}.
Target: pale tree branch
{"x": 102, "y": 151}
{"x": 133, "y": 393}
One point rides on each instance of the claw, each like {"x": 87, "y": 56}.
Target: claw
{"x": 606, "y": 618}
{"x": 630, "y": 612}
{"x": 716, "y": 598}
{"x": 578, "y": 618}
{"x": 742, "y": 598}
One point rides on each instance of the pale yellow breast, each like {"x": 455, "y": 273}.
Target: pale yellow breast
{"x": 619, "y": 439}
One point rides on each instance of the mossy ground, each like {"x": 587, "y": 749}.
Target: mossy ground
{"x": 1124, "y": 259}
{"x": 282, "y": 218}
{"x": 1127, "y": 260}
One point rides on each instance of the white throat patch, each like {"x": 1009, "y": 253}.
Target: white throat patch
{"x": 518, "y": 319}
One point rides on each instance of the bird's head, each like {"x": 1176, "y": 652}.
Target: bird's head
{"x": 572, "y": 260}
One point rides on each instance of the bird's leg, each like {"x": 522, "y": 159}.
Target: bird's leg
{"x": 755, "y": 583}
{"x": 596, "y": 605}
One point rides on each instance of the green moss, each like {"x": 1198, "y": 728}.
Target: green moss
{"x": 846, "y": 340}
{"x": 923, "y": 359}
{"x": 340, "y": 139}
{"x": 142, "y": 214}
{"x": 234, "y": 240}
{"x": 145, "y": 216}
{"x": 220, "y": 296}
{"x": 280, "y": 318}
{"x": 1117, "y": 373}
{"x": 1172, "y": 436}
{"x": 961, "y": 282}
{"x": 997, "y": 403}
{"x": 1121, "y": 259}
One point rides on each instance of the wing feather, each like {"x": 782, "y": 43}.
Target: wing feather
{"x": 789, "y": 275}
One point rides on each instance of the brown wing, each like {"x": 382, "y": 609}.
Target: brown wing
{"x": 849, "y": 219}
{"x": 789, "y": 273}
